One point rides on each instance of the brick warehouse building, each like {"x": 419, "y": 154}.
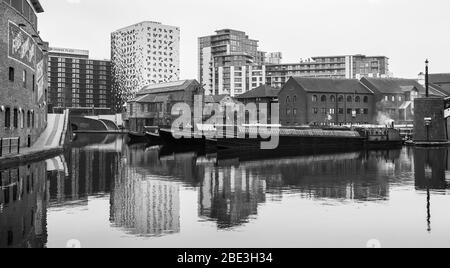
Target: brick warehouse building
{"x": 153, "y": 103}
{"x": 23, "y": 72}
{"x": 325, "y": 101}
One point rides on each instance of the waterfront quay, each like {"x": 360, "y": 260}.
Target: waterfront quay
{"x": 139, "y": 196}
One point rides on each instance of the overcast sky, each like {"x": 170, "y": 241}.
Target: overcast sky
{"x": 407, "y": 31}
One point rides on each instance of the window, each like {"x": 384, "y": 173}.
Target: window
{"x": 366, "y": 111}
{"x": 315, "y": 98}
{"x": 333, "y": 99}
{"x": 288, "y": 99}
{"x": 24, "y": 119}
{"x": 349, "y": 111}
{"x": 341, "y": 110}
{"x": 341, "y": 99}
{"x": 349, "y": 99}
{"x": 288, "y": 111}
{"x": 358, "y": 99}
{"x": 295, "y": 111}
{"x": 7, "y": 117}
{"x": 366, "y": 99}
{"x": 16, "y": 118}
{"x": 332, "y": 111}
{"x": 315, "y": 110}
{"x": 393, "y": 98}
{"x": 11, "y": 74}
{"x": 28, "y": 119}
{"x": 324, "y": 111}
{"x": 34, "y": 82}
{"x": 323, "y": 98}
{"x": 24, "y": 79}
{"x": 295, "y": 99}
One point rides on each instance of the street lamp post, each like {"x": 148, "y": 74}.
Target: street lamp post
{"x": 427, "y": 84}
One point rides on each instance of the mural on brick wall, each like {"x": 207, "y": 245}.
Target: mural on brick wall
{"x": 21, "y": 47}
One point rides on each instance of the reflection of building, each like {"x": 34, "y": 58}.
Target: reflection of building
{"x": 79, "y": 83}
{"x": 430, "y": 168}
{"x": 23, "y": 206}
{"x": 23, "y": 68}
{"x": 145, "y": 206}
{"x": 89, "y": 173}
{"x": 230, "y": 196}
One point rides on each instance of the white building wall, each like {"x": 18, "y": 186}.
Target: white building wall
{"x": 143, "y": 54}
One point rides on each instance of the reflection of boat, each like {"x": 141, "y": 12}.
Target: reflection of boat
{"x": 134, "y": 137}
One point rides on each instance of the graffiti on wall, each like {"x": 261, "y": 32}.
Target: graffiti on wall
{"x": 22, "y": 47}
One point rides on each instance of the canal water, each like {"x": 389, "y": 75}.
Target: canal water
{"x": 103, "y": 193}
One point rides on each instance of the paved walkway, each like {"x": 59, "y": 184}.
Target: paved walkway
{"x": 50, "y": 142}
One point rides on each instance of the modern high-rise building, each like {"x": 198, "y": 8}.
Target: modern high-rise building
{"x": 274, "y": 58}
{"x": 143, "y": 54}
{"x": 79, "y": 83}
{"x": 226, "y": 60}
{"x": 350, "y": 67}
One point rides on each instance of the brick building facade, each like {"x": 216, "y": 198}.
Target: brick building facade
{"x": 153, "y": 104}
{"x": 23, "y": 72}
{"x": 325, "y": 101}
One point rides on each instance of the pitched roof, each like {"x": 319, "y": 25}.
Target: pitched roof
{"x": 263, "y": 91}
{"x": 439, "y": 78}
{"x": 328, "y": 85}
{"x": 392, "y": 85}
{"x": 37, "y": 6}
{"x": 443, "y": 91}
{"x": 167, "y": 87}
{"x": 215, "y": 98}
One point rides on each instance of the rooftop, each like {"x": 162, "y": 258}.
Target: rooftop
{"x": 37, "y": 6}
{"x": 263, "y": 91}
{"x": 440, "y": 78}
{"x": 392, "y": 85}
{"x": 328, "y": 85}
{"x": 167, "y": 87}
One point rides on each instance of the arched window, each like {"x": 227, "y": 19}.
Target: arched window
{"x": 366, "y": 99}
{"x": 341, "y": 98}
{"x": 288, "y": 99}
{"x": 358, "y": 99}
{"x": 333, "y": 99}
{"x": 295, "y": 99}
{"x": 28, "y": 119}
{"x": 349, "y": 99}
{"x": 323, "y": 98}
{"x": 315, "y": 98}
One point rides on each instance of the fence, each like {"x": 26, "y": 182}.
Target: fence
{"x": 9, "y": 146}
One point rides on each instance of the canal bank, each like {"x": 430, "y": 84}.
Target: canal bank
{"x": 51, "y": 143}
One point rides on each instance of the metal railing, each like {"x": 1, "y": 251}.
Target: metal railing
{"x": 9, "y": 146}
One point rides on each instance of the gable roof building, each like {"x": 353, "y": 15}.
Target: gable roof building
{"x": 260, "y": 92}
{"x": 330, "y": 85}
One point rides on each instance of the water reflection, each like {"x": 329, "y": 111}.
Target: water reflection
{"x": 145, "y": 188}
{"x": 23, "y": 206}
